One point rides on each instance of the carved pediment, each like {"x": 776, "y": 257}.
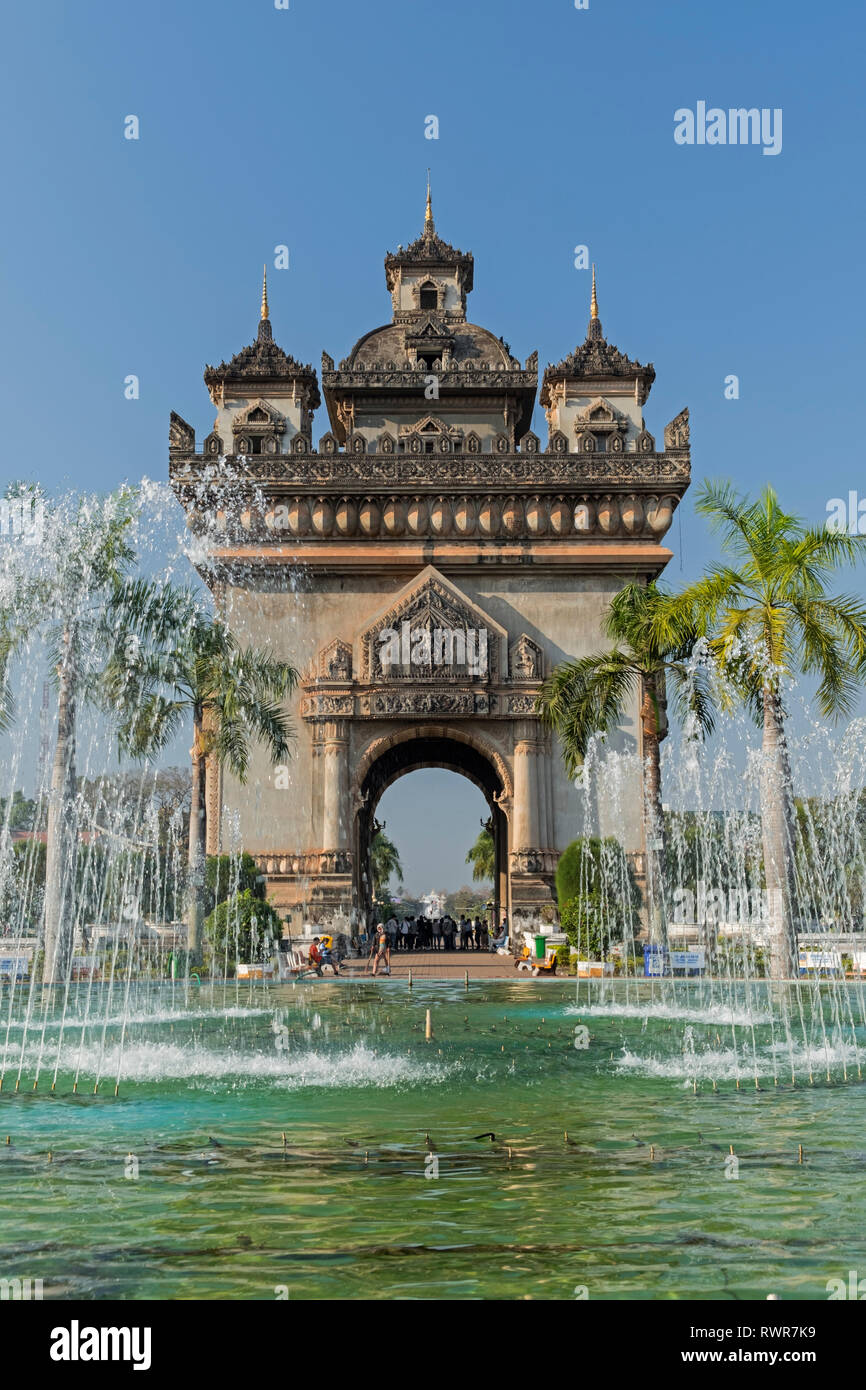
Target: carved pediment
{"x": 335, "y": 661}
{"x": 180, "y": 434}
{"x": 525, "y": 660}
{"x": 600, "y": 412}
{"x": 677, "y": 432}
{"x": 431, "y": 330}
{"x": 431, "y": 424}
{"x": 262, "y": 415}
{"x": 431, "y": 632}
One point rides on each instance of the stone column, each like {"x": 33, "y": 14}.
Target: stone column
{"x": 335, "y": 780}
{"x": 542, "y": 789}
{"x": 532, "y": 890}
{"x": 525, "y": 790}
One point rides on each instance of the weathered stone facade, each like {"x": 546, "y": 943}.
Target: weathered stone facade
{"x": 429, "y": 508}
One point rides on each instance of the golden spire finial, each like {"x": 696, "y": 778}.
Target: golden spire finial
{"x": 428, "y": 216}
{"x": 264, "y": 313}
{"x": 593, "y": 312}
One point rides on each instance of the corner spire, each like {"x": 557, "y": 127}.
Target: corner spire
{"x": 265, "y": 333}
{"x": 429, "y": 226}
{"x": 264, "y": 314}
{"x": 594, "y": 329}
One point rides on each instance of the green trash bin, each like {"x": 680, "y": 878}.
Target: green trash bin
{"x": 540, "y": 947}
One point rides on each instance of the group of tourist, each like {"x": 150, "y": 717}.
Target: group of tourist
{"x": 428, "y": 934}
{"x": 431, "y": 934}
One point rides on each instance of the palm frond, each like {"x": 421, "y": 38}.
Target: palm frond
{"x": 585, "y": 697}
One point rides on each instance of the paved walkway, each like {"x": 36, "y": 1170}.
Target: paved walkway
{"x": 443, "y": 965}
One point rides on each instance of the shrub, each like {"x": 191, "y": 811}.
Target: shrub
{"x": 225, "y": 874}
{"x": 598, "y": 895}
{"x": 740, "y": 959}
{"x": 240, "y": 929}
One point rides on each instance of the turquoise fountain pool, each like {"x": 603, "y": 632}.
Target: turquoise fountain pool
{"x": 551, "y": 1141}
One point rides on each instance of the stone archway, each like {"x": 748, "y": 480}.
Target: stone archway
{"x": 425, "y": 563}
{"x": 388, "y": 759}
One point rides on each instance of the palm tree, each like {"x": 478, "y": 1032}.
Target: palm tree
{"x": 186, "y": 662}
{"x": 769, "y": 616}
{"x": 384, "y": 860}
{"x": 83, "y": 558}
{"x": 482, "y": 855}
{"x": 590, "y": 695}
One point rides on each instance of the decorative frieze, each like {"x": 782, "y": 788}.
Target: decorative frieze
{"x": 557, "y": 467}
{"x": 386, "y": 704}
{"x": 493, "y": 516}
{"x": 312, "y": 863}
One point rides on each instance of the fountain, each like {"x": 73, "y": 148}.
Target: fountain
{"x": 132, "y": 1090}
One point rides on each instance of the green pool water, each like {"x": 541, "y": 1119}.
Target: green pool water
{"x": 307, "y": 1142}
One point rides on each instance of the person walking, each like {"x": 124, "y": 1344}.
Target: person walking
{"x": 381, "y": 950}
{"x": 477, "y": 933}
{"x": 391, "y": 929}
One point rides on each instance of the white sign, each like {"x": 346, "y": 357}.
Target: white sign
{"x": 695, "y": 959}
{"x": 820, "y": 960}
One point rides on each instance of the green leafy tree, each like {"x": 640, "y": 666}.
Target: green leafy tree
{"x": 599, "y": 899}
{"x": 466, "y": 902}
{"x": 115, "y": 800}
{"x": 20, "y": 810}
{"x": 242, "y": 929}
{"x": 482, "y": 855}
{"x": 175, "y": 661}
{"x": 590, "y": 695}
{"x": 831, "y": 865}
{"x": 86, "y": 552}
{"x": 226, "y": 874}
{"x": 769, "y": 617}
{"x": 384, "y": 862}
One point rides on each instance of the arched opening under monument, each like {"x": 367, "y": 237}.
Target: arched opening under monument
{"x": 434, "y": 817}
{"x": 431, "y": 750}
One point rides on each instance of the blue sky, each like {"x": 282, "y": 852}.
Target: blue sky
{"x": 260, "y": 127}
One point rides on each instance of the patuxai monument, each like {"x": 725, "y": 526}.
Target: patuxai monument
{"x": 424, "y": 562}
